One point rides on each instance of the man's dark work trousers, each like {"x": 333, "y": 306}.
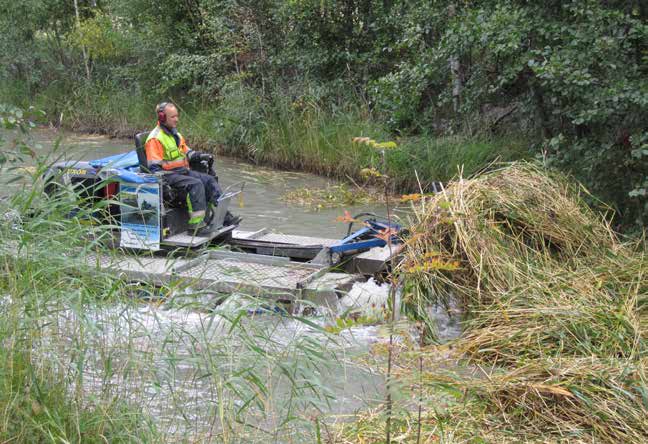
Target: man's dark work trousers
{"x": 200, "y": 187}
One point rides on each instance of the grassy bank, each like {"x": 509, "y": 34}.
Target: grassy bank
{"x": 285, "y": 130}
{"x": 41, "y": 295}
{"x": 554, "y": 346}
{"x": 37, "y": 398}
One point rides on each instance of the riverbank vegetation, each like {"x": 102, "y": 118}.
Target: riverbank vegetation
{"x": 554, "y": 345}
{"x": 43, "y": 394}
{"x": 289, "y": 83}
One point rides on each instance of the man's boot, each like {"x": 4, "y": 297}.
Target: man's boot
{"x": 206, "y": 227}
{"x": 231, "y": 219}
{"x": 206, "y": 231}
{"x": 209, "y": 225}
{"x": 194, "y": 228}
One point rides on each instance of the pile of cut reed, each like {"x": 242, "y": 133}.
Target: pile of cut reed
{"x": 555, "y": 304}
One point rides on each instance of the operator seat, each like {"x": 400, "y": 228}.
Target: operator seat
{"x": 170, "y": 195}
{"x": 140, "y": 141}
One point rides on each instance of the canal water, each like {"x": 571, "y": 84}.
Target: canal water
{"x": 202, "y": 372}
{"x": 262, "y": 204}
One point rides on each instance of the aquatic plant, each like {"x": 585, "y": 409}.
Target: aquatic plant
{"x": 332, "y": 196}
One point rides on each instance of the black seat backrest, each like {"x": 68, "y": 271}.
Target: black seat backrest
{"x": 140, "y": 140}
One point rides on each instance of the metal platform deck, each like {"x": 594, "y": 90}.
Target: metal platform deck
{"x": 308, "y": 248}
{"x": 264, "y": 235}
{"x": 231, "y": 272}
{"x": 276, "y": 244}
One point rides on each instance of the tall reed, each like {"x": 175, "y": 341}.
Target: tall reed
{"x": 86, "y": 359}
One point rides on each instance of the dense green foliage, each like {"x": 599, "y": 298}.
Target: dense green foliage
{"x": 570, "y": 77}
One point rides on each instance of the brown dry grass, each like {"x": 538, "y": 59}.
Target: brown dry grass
{"x": 555, "y": 313}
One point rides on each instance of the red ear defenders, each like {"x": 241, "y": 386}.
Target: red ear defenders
{"x": 160, "y": 112}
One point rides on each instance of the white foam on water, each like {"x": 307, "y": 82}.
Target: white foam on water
{"x": 168, "y": 360}
{"x": 365, "y": 298}
{"x": 447, "y": 318}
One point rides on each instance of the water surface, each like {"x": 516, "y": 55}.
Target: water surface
{"x": 261, "y": 204}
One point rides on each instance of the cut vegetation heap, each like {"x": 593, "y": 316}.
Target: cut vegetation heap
{"x": 555, "y": 308}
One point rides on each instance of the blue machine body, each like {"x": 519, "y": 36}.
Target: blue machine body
{"x": 366, "y": 237}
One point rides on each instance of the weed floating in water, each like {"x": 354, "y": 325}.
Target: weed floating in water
{"x": 332, "y": 196}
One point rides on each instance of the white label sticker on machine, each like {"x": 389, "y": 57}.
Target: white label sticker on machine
{"x": 140, "y": 215}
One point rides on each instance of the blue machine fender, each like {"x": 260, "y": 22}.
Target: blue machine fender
{"x": 366, "y": 237}
{"x": 118, "y": 161}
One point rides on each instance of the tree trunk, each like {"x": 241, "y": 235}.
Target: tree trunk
{"x": 542, "y": 112}
{"x": 59, "y": 44}
{"x": 455, "y": 70}
{"x": 347, "y": 24}
{"x": 83, "y": 49}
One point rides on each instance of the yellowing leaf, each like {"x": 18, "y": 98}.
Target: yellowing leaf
{"x": 433, "y": 264}
{"x": 386, "y": 234}
{"x": 411, "y": 197}
{"x": 386, "y": 145}
{"x": 554, "y": 390}
{"x": 347, "y": 218}
{"x": 372, "y": 143}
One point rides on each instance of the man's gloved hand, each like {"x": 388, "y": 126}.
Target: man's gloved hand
{"x": 197, "y": 156}
{"x": 192, "y": 155}
{"x": 206, "y": 157}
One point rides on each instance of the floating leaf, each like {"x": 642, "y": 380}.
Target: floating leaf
{"x": 347, "y": 218}
{"x": 370, "y": 172}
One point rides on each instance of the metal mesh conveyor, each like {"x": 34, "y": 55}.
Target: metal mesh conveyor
{"x": 228, "y": 272}
{"x": 251, "y": 273}
{"x": 155, "y": 270}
